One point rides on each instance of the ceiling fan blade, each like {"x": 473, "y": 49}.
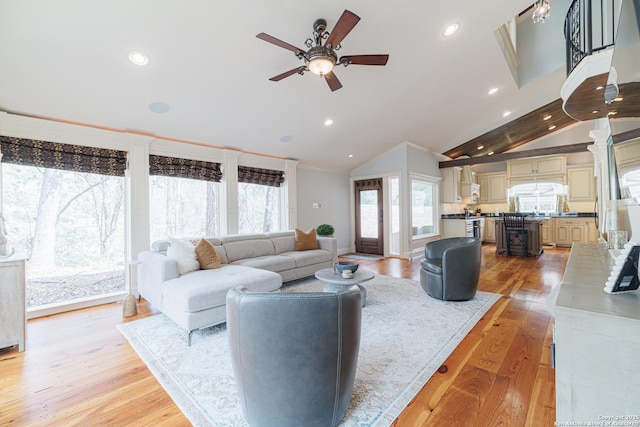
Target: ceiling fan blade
{"x": 332, "y": 81}
{"x": 365, "y": 59}
{"x": 278, "y": 42}
{"x": 345, "y": 24}
{"x": 286, "y": 74}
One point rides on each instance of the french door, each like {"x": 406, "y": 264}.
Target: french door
{"x": 368, "y": 211}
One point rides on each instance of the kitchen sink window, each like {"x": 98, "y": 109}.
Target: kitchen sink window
{"x": 540, "y": 197}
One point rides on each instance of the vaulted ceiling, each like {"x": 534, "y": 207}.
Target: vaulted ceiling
{"x": 67, "y": 60}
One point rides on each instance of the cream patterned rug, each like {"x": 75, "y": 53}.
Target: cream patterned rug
{"x": 406, "y": 336}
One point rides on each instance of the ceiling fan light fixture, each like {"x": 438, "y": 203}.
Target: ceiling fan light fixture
{"x": 321, "y": 65}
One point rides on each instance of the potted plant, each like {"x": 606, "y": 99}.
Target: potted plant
{"x": 325, "y": 230}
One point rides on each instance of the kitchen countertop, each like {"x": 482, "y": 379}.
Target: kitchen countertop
{"x": 530, "y": 216}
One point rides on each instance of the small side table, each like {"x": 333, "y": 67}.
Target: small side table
{"x": 337, "y": 283}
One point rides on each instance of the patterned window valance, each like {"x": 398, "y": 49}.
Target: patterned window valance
{"x": 56, "y": 155}
{"x": 368, "y": 184}
{"x": 184, "y": 168}
{"x": 269, "y": 177}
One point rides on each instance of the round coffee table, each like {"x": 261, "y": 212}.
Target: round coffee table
{"x": 337, "y": 283}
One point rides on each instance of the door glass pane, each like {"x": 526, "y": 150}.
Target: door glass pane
{"x": 369, "y": 214}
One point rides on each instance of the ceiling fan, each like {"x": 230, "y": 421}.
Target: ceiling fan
{"x": 321, "y": 58}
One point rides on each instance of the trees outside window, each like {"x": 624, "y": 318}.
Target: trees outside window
{"x": 181, "y": 207}
{"x": 70, "y": 227}
{"x": 258, "y": 208}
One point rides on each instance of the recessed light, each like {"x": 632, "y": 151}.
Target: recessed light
{"x": 618, "y": 99}
{"x": 612, "y": 113}
{"x": 547, "y": 117}
{"x": 552, "y": 127}
{"x": 493, "y": 90}
{"x": 328, "y": 122}
{"x": 451, "y": 29}
{"x": 595, "y": 111}
{"x": 480, "y": 147}
{"x": 138, "y": 58}
{"x": 599, "y": 87}
{"x": 286, "y": 138}
{"x": 350, "y": 156}
{"x": 506, "y": 113}
{"x": 490, "y": 153}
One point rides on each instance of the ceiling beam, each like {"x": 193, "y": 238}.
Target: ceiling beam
{"x": 562, "y": 149}
{"x": 626, "y": 136}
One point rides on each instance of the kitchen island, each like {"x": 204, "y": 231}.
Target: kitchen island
{"x": 533, "y": 226}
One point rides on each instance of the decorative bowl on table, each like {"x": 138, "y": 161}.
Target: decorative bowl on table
{"x": 340, "y": 266}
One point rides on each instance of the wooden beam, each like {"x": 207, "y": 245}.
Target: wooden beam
{"x": 626, "y": 136}
{"x": 562, "y": 149}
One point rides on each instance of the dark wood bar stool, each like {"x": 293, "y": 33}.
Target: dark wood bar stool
{"x": 514, "y": 226}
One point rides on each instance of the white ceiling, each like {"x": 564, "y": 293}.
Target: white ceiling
{"x": 67, "y": 60}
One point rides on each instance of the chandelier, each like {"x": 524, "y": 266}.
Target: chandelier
{"x": 541, "y": 11}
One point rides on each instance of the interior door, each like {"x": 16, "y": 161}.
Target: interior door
{"x": 369, "y": 230}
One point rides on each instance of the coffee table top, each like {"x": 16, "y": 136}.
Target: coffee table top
{"x": 331, "y": 276}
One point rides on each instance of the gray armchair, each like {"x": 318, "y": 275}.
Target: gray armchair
{"x": 294, "y": 355}
{"x": 450, "y": 269}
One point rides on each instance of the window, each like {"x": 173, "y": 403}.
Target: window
{"x": 538, "y": 196}
{"x": 258, "y": 208}
{"x": 394, "y": 194}
{"x": 181, "y": 207}
{"x": 70, "y": 226}
{"x": 423, "y": 211}
{"x": 258, "y": 199}
{"x": 630, "y": 181}
{"x": 183, "y": 197}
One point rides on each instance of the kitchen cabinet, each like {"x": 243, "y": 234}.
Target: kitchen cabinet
{"x": 451, "y": 186}
{"x": 582, "y": 184}
{"x": 593, "y": 234}
{"x": 569, "y": 230}
{"x": 549, "y": 169}
{"x": 12, "y": 304}
{"x": 489, "y": 230}
{"x": 534, "y": 239}
{"x": 547, "y": 232}
{"x": 493, "y": 187}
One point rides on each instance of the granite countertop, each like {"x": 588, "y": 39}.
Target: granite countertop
{"x": 530, "y": 215}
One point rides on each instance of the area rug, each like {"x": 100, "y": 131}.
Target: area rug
{"x": 406, "y": 336}
{"x": 364, "y": 257}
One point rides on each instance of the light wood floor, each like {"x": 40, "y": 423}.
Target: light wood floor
{"x": 79, "y": 370}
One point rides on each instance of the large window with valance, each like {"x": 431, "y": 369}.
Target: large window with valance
{"x": 259, "y": 199}
{"x": 184, "y": 197}
{"x": 63, "y": 206}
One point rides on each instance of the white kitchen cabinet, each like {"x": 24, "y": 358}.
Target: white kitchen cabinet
{"x": 582, "y": 184}
{"x": 12, "y": 304}
{"x": 451, "y": 186}
{"x": 570, "y": 230}
{"x": 547, "y": 228}
{"x": 493, "y": 187}
{"x": 489, "y": 230}
{"x": 550, "y": 169}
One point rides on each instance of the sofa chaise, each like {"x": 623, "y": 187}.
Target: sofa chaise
{"x": 260, "y": 262}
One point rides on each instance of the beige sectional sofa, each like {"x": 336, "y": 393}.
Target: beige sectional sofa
{"x": 260, "y": 262}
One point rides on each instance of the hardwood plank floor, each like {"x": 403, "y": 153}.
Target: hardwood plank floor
{"x": 79, "y": 370}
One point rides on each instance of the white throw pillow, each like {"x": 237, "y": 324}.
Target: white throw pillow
{"x": 185, "y": 255}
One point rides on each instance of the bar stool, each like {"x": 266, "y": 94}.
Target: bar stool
{"x": 514, "y": 226}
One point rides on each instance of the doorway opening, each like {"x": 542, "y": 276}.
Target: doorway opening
{"x": 369, "y": 216}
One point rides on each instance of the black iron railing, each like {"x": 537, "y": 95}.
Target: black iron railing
{"x": 588, "y": 28}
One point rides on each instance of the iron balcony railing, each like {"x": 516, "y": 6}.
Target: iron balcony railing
{"x": 588, "y": 28}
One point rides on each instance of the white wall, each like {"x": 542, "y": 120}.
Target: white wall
{"x": 331, "y": 192}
